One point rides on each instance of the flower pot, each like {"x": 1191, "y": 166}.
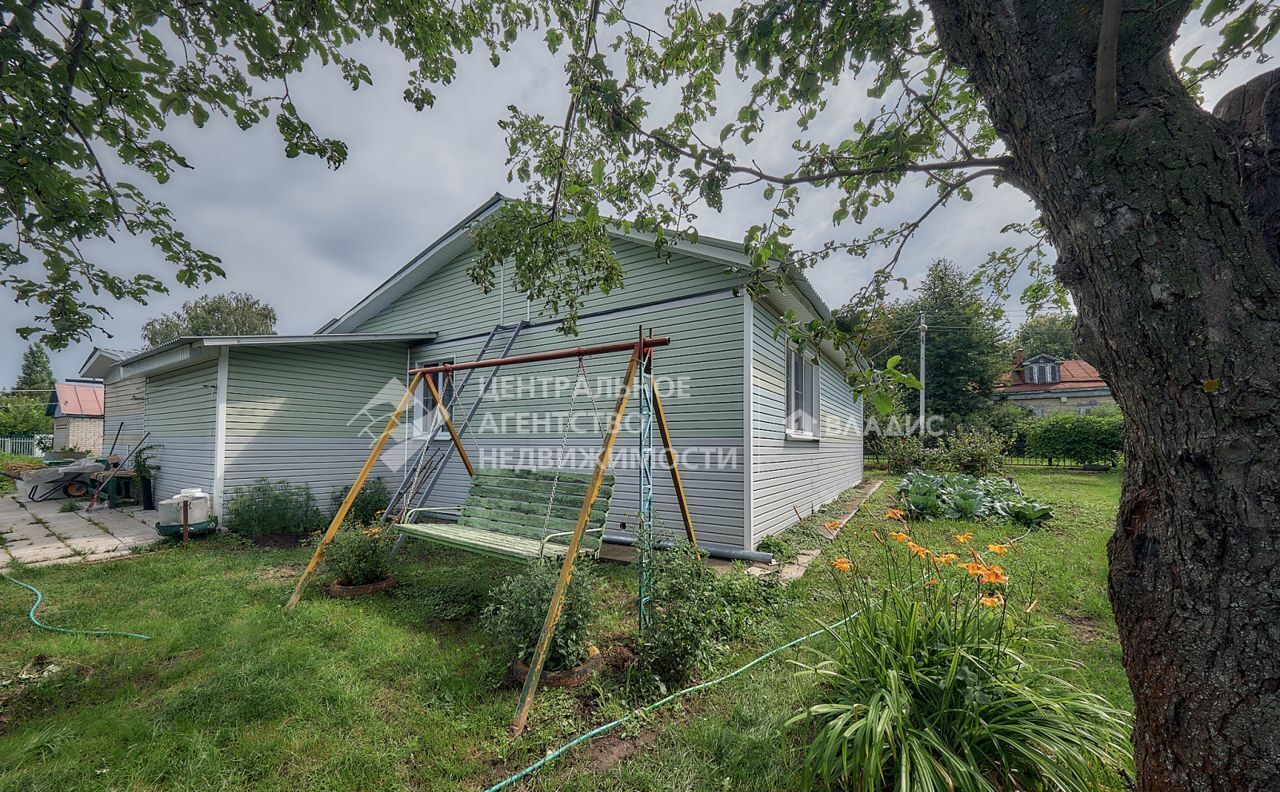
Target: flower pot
{"x": 339, "y": 590}
{"x": 148, "y": 494}
{"x": 569, "y": 676}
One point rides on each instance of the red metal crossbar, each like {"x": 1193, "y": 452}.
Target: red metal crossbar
{"x": 648, "y": 342}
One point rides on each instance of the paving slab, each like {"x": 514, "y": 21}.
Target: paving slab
{"x": 98, "y": 535}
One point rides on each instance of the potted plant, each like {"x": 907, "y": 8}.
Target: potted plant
{"x": 517, "y": 609}
{"x": 144, "y": 473}
{"x": 359, "y": 558}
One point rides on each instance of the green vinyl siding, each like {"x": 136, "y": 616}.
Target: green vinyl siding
{"x": 180, "y": 415}
{"x": 325, "y": 390}
{"x": 451, "y": 305}
{"x": 520, "y": 423}
{"x": 310, "y": 414}
{"x": 790, "y": 475}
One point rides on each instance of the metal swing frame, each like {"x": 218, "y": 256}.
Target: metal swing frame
{"x": 640, "y": 362}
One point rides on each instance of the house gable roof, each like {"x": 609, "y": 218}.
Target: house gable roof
{"x": 1073, "y": 375}
{"x": 456, "y": 241}
{"x": 80, "y": 400}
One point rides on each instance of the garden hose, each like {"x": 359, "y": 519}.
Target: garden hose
{"x": 645, "y": 710}
{"x": 31, "y": 614}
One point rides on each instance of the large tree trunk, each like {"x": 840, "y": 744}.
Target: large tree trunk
{"x": 1165, "y": 231}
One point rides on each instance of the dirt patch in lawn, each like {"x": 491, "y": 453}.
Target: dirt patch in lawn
{"x": 278, "y": 541}
{"x": 1083, "y": 629}
{"x": 20, "y": 693}
{"x": 607, "y": 752}
{"x": 286, "y": 572}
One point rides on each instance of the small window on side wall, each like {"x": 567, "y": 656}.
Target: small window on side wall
{"x": 802, "y": 394}
{"x": 426, "y": 416}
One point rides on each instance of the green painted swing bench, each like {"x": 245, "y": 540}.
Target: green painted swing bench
{"x": 506, "y": 514}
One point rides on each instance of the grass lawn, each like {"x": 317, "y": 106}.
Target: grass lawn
{"x": 7, "y": 484}
{"x": 403, "y": 691}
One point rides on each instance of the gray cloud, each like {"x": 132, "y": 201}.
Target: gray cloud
{"x": 311, "y": 241}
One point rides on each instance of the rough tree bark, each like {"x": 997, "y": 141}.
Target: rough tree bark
{"x": 1164, "y": 219}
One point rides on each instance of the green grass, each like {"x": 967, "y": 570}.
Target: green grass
{"x": 402, "y": 691}
{"x": 7, "y": 484}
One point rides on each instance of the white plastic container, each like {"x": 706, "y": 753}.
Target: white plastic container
{"x": 170, "y": 509}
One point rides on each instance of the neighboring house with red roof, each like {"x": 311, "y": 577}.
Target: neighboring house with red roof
{"x": 1045, "y": 384}
{"x": 76, "y": 409}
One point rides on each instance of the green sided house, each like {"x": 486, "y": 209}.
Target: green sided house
{"x": 763, "y": 431}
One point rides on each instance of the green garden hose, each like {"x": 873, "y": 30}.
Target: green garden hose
{"x": 31, "y": 614}
{"x": 657, "y": 705}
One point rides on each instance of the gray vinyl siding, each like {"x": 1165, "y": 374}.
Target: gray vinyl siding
{"x": 705, "y": 418}
{"x": 310, "y": 415}
{"x": 451, "y": 305}
{"x": 124, "y": 407}
{"x": 797, "y": 475}
{"x": 179, "y": 414}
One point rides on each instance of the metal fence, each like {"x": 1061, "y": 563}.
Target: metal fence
{"x": 31, "y": 445}
{"x": 1014, "y": 460}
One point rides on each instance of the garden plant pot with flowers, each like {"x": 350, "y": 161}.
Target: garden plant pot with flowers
{"x": 359, "y": 558}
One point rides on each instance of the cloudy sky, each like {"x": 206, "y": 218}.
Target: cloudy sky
{"x": 312, "y": 242}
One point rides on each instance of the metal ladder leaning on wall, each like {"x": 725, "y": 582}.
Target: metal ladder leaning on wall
{"x": 418, "y": 498}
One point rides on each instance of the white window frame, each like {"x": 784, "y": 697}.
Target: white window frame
{"x": 804, "y": 421}
{"x": 427, "y": 418}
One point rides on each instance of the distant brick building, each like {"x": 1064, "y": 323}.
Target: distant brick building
{"x": 1045, "y": 384}
{"x": 76, "y": 409}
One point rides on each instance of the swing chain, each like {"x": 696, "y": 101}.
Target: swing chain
{"x": 564, "y": 440}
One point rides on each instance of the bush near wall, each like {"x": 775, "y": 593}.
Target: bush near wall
{"x": 1087, "y": 439}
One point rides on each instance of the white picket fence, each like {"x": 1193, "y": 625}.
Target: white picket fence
{"x": 31, "y": 445}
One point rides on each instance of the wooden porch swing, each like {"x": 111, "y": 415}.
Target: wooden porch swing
{"x": 505, "y": 507}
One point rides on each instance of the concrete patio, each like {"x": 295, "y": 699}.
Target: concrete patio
{"x": 37, "y": 534}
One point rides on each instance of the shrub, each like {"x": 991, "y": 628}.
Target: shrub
{"x": 696, "y": 612}
{"x": 518, "y": 607}
{"x": 1087, "y": 439}
{"x": 269, "y": 507}
{"x": 945, "y": 686}
{"x": 957, "y": 496}
{"x": 359, "y": 555}
{"x": 906, "y": 453}
{"x": 370, "y": 502}
{"x": 978, "y": 452}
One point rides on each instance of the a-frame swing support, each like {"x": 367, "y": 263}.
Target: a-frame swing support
{"x": 640, "y": 351}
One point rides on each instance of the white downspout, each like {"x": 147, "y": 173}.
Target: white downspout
{"x": 220, "y": 429}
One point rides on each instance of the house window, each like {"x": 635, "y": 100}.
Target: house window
{"x": 426, "y": 416}
{"x": 802, "y": 394}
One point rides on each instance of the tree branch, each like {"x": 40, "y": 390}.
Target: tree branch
{"x": 567, "y": 137}
{"x": 839, "y": 173}
{"x": 1104, "y": 90}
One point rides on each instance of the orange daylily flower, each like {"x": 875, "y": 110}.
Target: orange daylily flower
{"x": 842, "y": 564}
{"x": 974, "y": 568}
{"x": 899, "y": 536}
{"x": 947, "y": 558}
{"x": 931, "y": 582}
{"x": 917, "y": 550}
{"x": 994, "y": 574}
{"x": 893, "y": 514}
{"x": 831, "y": 526}
{"x": 963, "y": 538}
{"x": 998, "y": 549}
{"x": 992, "y": 601}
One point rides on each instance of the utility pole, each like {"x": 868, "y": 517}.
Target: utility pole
{"x": 923, "y": 330}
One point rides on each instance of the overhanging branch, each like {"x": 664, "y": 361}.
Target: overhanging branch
{"x": 837, "y": 173}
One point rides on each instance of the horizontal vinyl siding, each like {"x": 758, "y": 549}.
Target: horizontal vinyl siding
{"x": 797, "y": 475}
{"x": 451, "y": 305}
{"x": 179, "y": 414}
{"x": 310, "y": 415}
{"x": 124, "y": 407}
{"x": 706, "y": 354}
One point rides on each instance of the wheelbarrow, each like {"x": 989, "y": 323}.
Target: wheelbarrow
{"x": 68, "y": 481}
